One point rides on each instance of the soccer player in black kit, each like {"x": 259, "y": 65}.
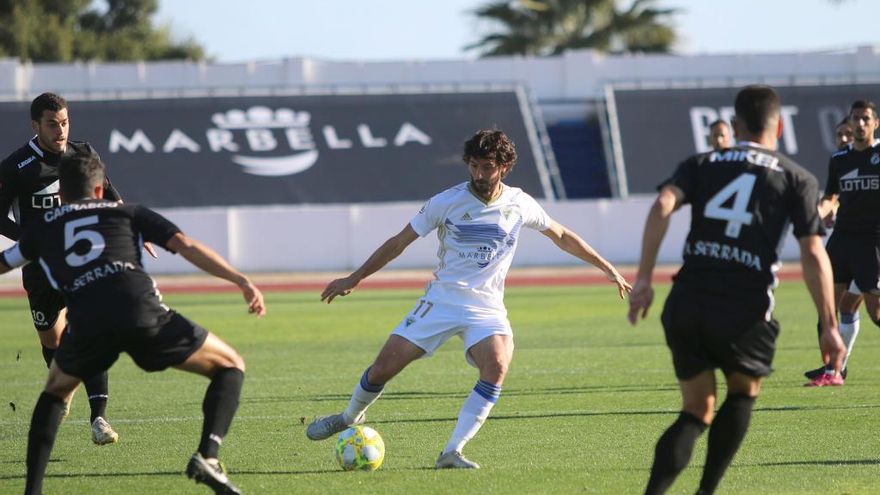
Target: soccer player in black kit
{"x": 719, "y": 311}
{"x": 90, "y": 250}
{"x": 29, "y": 187}
{"x": 853, "y": 190}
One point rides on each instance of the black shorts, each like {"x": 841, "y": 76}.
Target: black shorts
{"x": 46, "y": 303}
{"x": 86, "y": 350}
{"x": 708, "y": 331}
{"x": 855, "y": 259}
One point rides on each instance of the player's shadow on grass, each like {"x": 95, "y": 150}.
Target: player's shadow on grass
{"x": 817, "y": 407}
{"x": 502, "y": 417}
{"x": 842, "y": 462}
{"x": 179, "y": 473}
{"x": 541, "y": 392}
{"x": 651, "y": 412}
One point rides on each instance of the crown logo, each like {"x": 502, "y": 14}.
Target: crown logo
{"x": 260, "y": 117}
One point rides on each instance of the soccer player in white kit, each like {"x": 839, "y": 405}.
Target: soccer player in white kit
{"x": 478, "y": 224}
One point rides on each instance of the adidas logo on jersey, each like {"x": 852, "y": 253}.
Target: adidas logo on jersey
{"x": 466, "y": 217}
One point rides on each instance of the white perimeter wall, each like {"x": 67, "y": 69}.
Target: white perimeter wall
{"x": 341, "y": 237}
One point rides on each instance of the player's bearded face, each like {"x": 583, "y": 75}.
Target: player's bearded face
{"x": 864, "y": 124}
{"x": 52, "y": 130}
{"x": 485, "y": 175}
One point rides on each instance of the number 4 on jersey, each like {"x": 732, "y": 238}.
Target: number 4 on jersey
{"x": 740, "y": 189}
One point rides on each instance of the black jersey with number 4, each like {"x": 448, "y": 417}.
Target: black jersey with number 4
{"x": 742, "y": 201}
{"x": 91, "y": 252}
{"x": 29, "y": 183}
{"x": 855, "y": 177}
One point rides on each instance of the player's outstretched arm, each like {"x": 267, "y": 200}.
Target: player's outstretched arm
{"x": 656, "y": 225}
{"x": 817, "y": 276}
{"x": 572, "y": 243}
{"x": 387, "y": 251}
{"x": 209, "y": 261}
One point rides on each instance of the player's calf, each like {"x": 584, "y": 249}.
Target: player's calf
{"x": 219, "y": 406}
{"x": 41, "y": 438}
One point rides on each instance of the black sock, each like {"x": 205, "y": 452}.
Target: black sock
{"x": 221, "y": 401}
{"x": 41, "y": 438}
{"x": 48, "y": 354}
{"x": 673, "y": 451}
{"x": 726, "y": 434}
{"x": 98, "y": 391}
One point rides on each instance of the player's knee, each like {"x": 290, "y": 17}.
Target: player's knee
{"x": 49, "y": 338}
{"x": 494, "y": 371}
{"x": 702, "y": 408}
{"x": 234, "y": 360}
{"x": 60, "y": 387}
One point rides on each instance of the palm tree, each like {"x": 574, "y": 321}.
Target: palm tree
{"x": 549, "y": 27}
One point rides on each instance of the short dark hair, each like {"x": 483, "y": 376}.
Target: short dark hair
{"x": 719, "y": 122}
{"x": 79, "y": 174}
{"x": 490, "y": 144}
{"x": 756, "y": 105}
{"x": 46, "y": 101}
{"x": 860, "y": 104}
{"x": 843, "y": 121}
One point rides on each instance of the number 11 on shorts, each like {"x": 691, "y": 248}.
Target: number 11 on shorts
{"x": 423, "y": 303}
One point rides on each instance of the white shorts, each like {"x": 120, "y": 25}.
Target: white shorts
{"x": 430, "y": 324}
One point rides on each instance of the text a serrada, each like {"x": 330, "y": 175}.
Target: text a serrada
{"x": 723, "y": 252}
{"x": 294, "y": 138}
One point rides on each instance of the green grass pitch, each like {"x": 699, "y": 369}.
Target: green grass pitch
{"x": 586, "y": 398}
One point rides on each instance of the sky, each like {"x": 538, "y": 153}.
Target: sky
{"x": 236, "y": 31}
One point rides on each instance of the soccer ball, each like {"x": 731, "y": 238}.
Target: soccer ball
{"x": 360, "y": 447}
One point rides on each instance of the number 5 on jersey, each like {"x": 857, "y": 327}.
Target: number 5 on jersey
{"x": 72, "y": 236}
{"x": 740, "y": 189}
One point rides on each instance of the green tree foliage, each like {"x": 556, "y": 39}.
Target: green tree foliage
{"x": 550, "y": 27}
{"x": 108, "y": 30}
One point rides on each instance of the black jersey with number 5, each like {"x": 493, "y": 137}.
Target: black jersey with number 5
{"x": 91, "y": 252}
{"x": 742, "y": 202}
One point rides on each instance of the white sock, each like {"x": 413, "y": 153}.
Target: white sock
{"x": 364, "y": 394}
{"x": 473, "y": 413}
{"x": 849, "y": 330}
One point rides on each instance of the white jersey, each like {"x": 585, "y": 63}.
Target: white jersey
{"x": 477, "y": 242}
